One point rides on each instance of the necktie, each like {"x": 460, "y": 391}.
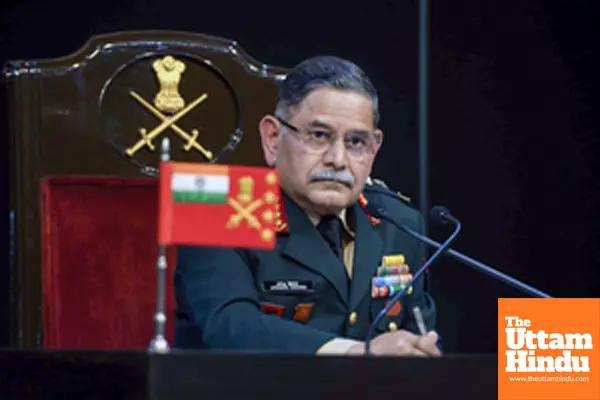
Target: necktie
{"x": 330, "y": 228}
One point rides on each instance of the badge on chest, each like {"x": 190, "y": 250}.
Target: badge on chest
{"x": 391, "y": 277}
{"x": 301, "y": 311}
{"x": 290, "y": 287}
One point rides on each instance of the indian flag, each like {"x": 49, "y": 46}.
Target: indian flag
{"x": 217, "y": 205}
{"x": 200, "y": 183}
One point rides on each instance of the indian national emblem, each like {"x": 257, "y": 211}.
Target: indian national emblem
{"x": 246, "y": 194}
{"x": 168, "y": 73}
{"x": 168, "y": 101}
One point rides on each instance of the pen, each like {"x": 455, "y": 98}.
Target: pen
{"x": 420, "y": 321}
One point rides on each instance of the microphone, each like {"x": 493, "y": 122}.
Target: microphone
{"x": 438, "y": 214}
{"x": 379, "y": 212}
{"x": 441, "y": 216}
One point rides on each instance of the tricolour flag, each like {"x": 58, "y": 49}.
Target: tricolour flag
{"x": 217, "y": 205}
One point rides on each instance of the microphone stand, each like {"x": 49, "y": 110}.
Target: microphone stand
{"x": 382, "y": 212}
{"x": 510, "y": 281}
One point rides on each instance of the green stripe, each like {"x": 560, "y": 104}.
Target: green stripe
{"x": 199, "y": 197}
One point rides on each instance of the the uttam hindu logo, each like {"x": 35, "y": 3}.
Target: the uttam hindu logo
{"x": 548, "y": 349}
{"x": 525, "y": 343}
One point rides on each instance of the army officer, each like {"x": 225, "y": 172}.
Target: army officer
{"x": 315, "y": 292}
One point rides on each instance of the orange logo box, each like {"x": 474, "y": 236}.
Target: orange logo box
{"x": 548, "y": 349}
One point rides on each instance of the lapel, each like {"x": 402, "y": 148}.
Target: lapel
{"x": 306, "y": 246}
{"x": 367, "y": 256}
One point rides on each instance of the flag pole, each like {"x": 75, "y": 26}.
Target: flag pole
{"x": 159, "y": 343}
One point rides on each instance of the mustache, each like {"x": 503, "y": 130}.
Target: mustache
{"x": 336, "y": 176}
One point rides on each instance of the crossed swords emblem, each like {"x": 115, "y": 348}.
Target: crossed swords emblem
{"x": 244, "y": 213}
{"x": 168, "y": 122}
{"x": 246, "y": 205}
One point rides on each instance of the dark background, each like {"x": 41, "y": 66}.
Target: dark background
{"x": 513, "y": 119}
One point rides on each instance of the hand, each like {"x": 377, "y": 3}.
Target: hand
{"x": 401, "y": 343}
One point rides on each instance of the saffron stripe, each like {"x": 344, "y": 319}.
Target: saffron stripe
{"x": 200, "y": 168}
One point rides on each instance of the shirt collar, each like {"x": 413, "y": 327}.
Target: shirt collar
{"x": 347, "y": 224}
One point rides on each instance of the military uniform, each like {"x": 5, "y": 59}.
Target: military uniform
{"x": 300, "y": 296}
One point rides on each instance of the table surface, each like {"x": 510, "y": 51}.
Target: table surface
{"x": 220, "y": 375}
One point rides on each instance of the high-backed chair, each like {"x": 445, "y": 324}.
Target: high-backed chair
{"x": 85, "y": 139}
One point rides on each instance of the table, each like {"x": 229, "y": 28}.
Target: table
{"x": 212, "y": 375}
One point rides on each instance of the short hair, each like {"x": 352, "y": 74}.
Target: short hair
{"x": 325, "y": 72}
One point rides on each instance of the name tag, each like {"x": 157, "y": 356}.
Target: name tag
{"x": 288, "y": 287}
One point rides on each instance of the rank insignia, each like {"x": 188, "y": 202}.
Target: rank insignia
{"x": 362, "y": 201}
{"x": 281, "y": 225}
{"x": 273, "y": 309}
{"x": 302, "y": 312}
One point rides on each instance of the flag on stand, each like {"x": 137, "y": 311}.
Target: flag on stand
{"x": 217, "y": 205}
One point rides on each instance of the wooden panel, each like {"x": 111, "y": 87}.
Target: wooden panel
{"x": 80, "y": 114}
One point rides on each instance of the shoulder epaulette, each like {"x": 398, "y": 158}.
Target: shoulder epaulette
{"x": 378, "y": 185}
{"x": 405, "y": 198}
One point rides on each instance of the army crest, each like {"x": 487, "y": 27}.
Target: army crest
{"x": 170, "y": 94}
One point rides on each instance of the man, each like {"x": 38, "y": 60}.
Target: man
{"x": 313, "y": 293}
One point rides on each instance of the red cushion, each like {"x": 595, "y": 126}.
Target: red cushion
{"x": 99, "y": 262}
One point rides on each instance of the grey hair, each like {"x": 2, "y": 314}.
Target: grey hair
{"x": 325, "y": 72}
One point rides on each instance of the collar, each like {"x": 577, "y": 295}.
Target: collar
{"x": 347, "y": 224}
{"x": 281, "y": 225}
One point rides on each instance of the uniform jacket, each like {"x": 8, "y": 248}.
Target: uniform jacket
{"x": 297, "y": 297}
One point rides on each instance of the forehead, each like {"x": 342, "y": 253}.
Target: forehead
{"x": 338, "y": 108}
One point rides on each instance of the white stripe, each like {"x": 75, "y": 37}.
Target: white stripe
{"x": 200, "y": 183}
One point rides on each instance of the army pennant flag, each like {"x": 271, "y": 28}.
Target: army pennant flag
{"x": 217, "y": 205}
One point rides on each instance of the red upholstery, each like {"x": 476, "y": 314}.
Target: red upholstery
{"x": 99, "y": 262}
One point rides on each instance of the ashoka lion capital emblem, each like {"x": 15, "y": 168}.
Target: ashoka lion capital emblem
{"x": 169, "y": 107}
{"x": 168, "y": 73}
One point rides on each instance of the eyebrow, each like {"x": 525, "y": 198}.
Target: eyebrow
{"x": 320, "y": 124}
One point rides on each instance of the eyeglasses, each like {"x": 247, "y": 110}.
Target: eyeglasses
{"x": 358, "y": 143}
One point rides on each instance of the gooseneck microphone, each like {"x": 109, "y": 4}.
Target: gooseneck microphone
{"x": 439, "y": 214}
{"x": 375, "y": 210}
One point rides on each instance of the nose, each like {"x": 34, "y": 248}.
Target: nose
{"x": 336, "y": 155}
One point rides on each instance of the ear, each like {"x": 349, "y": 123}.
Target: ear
{"x": 270, "y": 131}
{"x": 378, "y": 141}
